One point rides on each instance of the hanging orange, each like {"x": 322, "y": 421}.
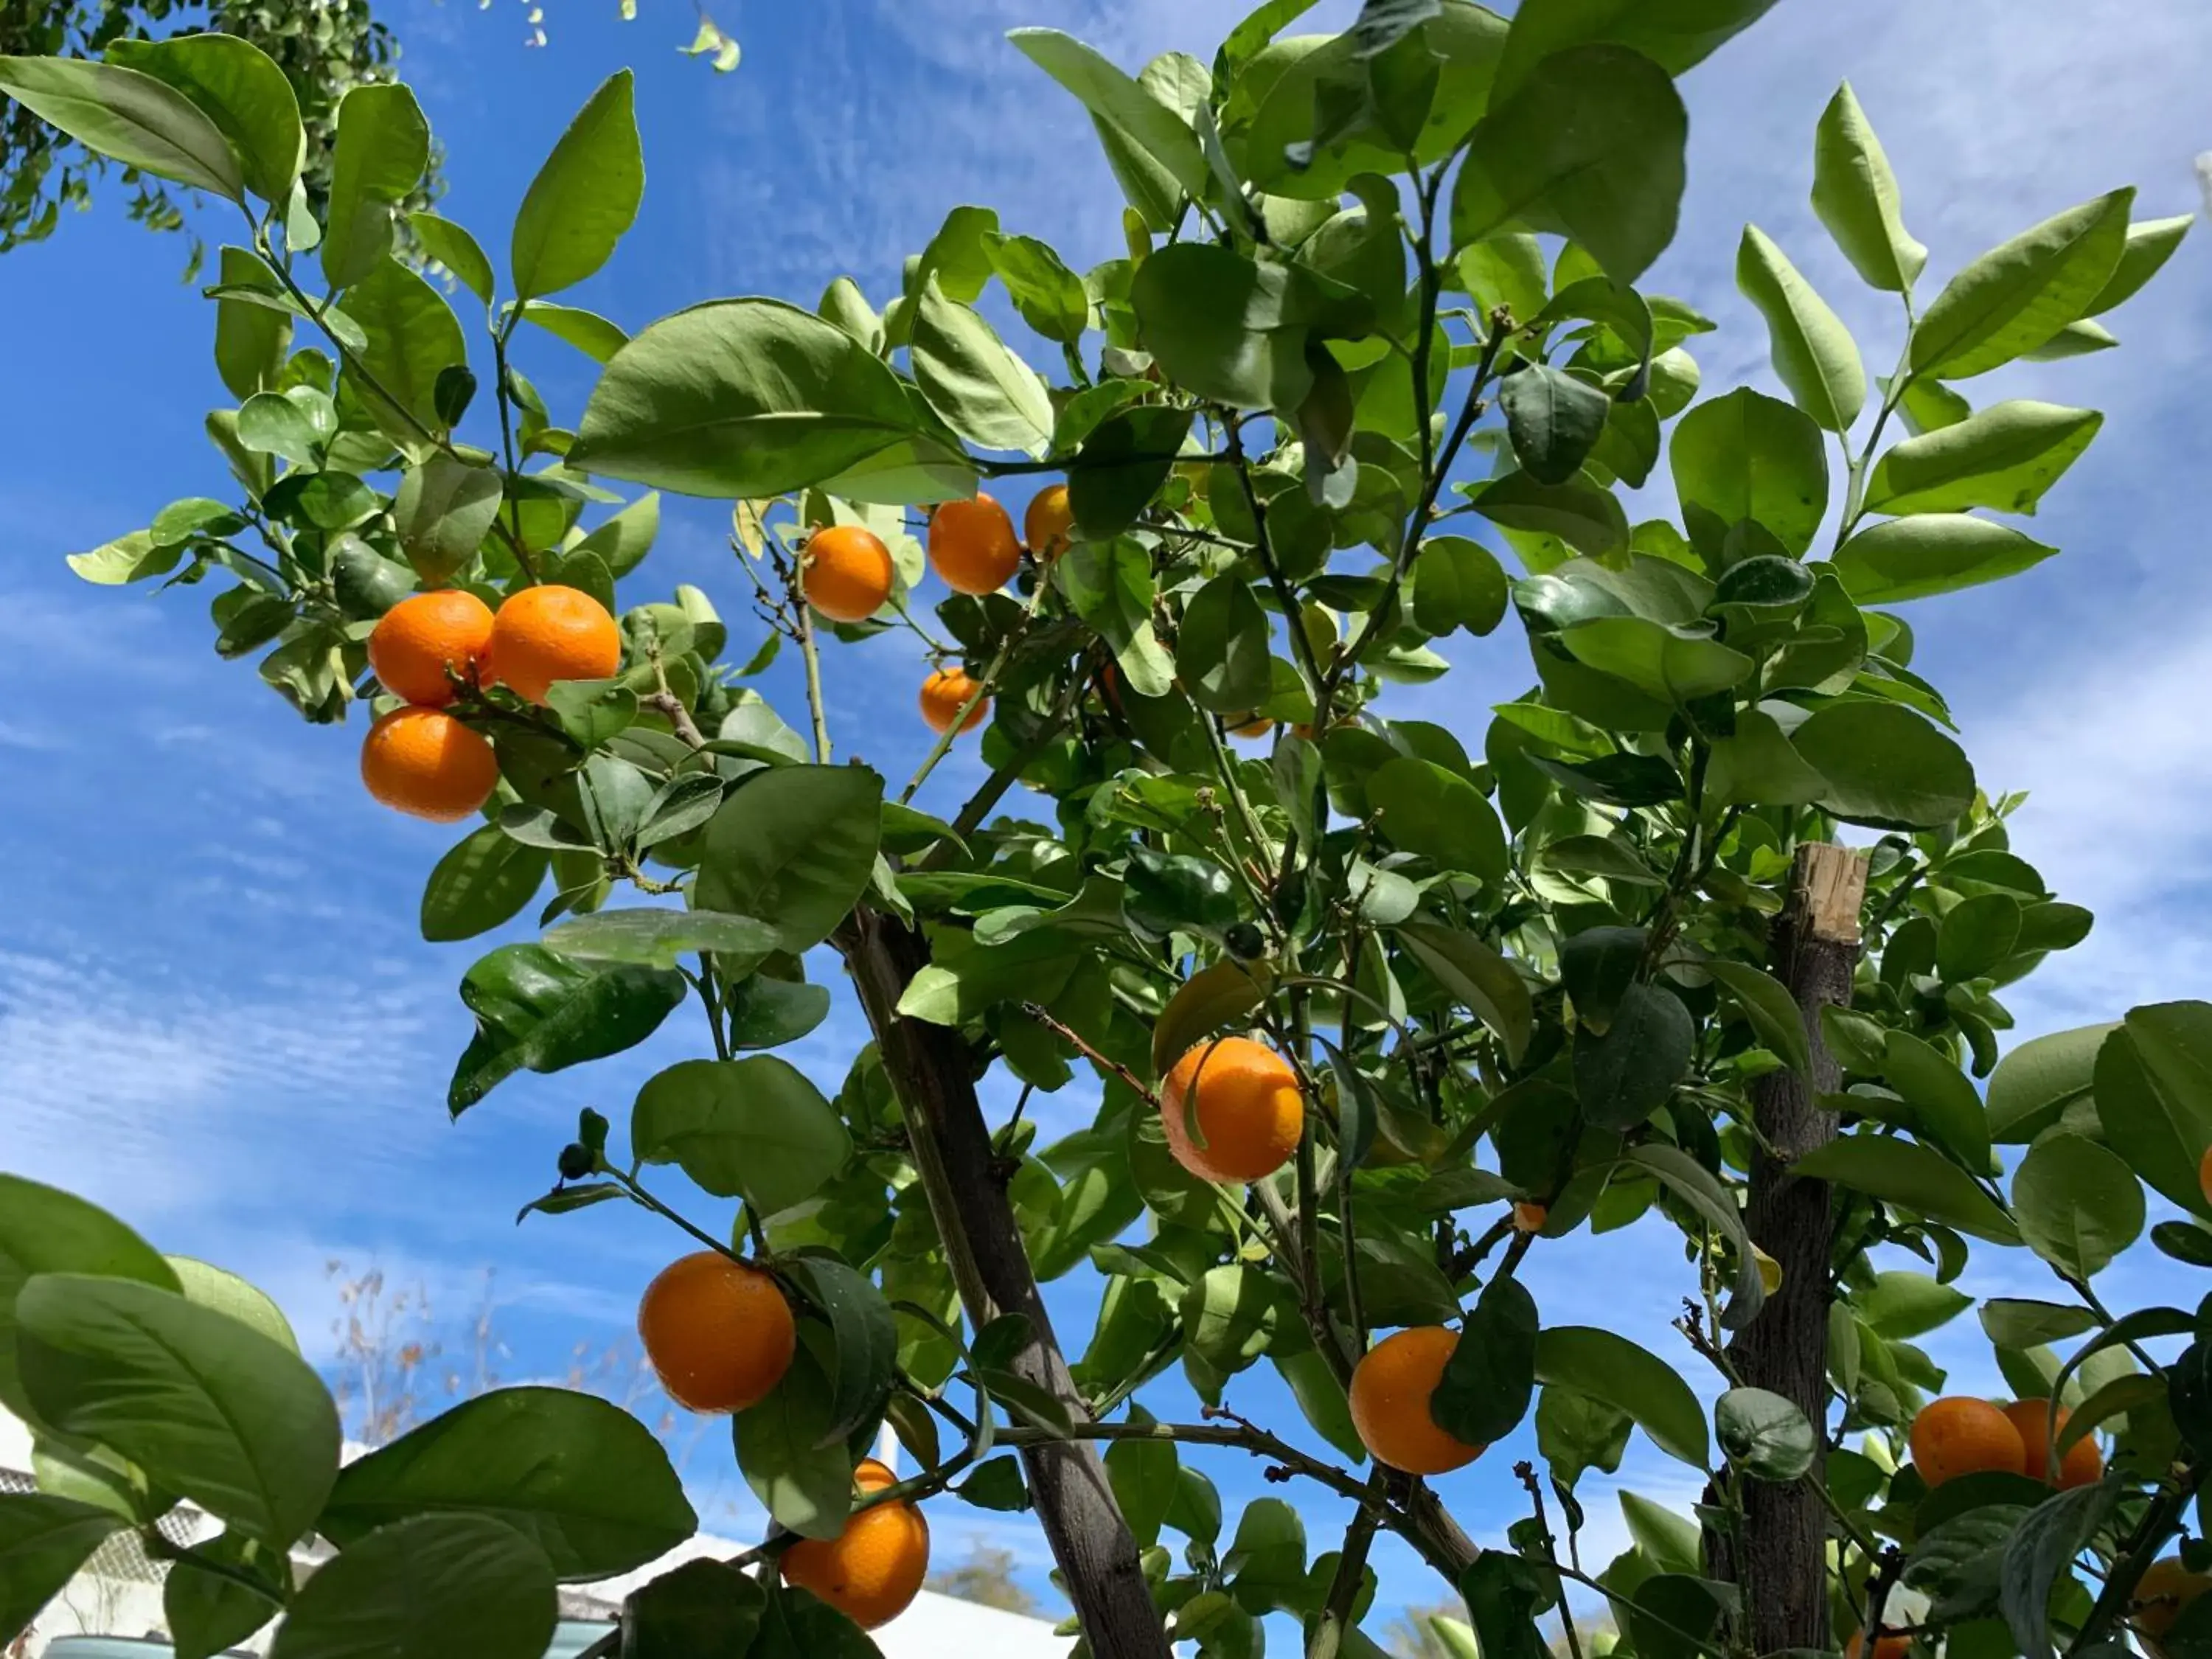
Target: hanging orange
{"x": 972, "y": 545}
{"x": 1957, "y": 1435}
{"x": 1047, "y": 524}
{"x": 429, "y": 647}
{"x": 871, "y": 1570}
{"x": 424, "y": 762}
{"x": 2083, "y": 1464}
{"x": 945, "y": 694}
{"x": 1390, "y": 1390}
{"x": 847, "y": 573}
{"x": 1249, "y": 1110}
{"x": 544, "y": 635}
{"x": 719, "y": 1333}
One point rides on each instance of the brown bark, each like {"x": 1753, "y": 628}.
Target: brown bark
{"x": 1815, "y": 946}
{"x": 930, "y": 1069}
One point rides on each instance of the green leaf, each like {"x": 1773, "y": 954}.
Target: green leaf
{"x": 1207, "y": 1000}
{"x": 579, "y": 1477}
{"x": 1229, "y": 1316}
{"x": 413, "y": 337}
{"x": 1903, "y": 1305}
{"x": 132, "y": 117}
{"x": 984, "y": 393}
{"x": 2153, "y": 1087}
{"x": 1945, "y": 1102}
{"x": 1225, "y": 327}
{"x": 1109, "y": 586}
{"x": 1611, "y": 1369}
{"x": 747, "y": 399}
{"x": 1458, "y": 583}
{"x": 1675, "y": 34}
{"x": 443, "y": 512}
{"x": 1625, "y": 1074}
{"x": 766, "y": 1013}
{"x": 129, "y": 558}
{"x": 1222, "y": 647}
{"x": 589, "y": 332}
{"x": 703, "y": 1607}
{"x": 1886, "y": 766}
{"x": 1756, "y": 767}
{"x": 1490, "y": 1377}
{"x": 1763, "y": 1435}
{"x": 803, "y": 1483}
{"x": 1553, "y": 420}
{"x": 227, "y": 1293}
{"x": 207, "y": 1613}
{"x": 1899, "y": 1172}
{"x": 1975, "y": 935}
{"x": 43, "y": 1541}
{"x": 1575, "y": 1432}
{"x": 542, "y": 1013}
{"x": 1813, "y": 352}
{"x": 435, "y": 1585}
{"x": 2015, "y": 297}
{"x": 1932, "y": 553}
{"x": 2041, "y": 1550}
{"x": 1675, "y": 665}
{"x": 1439, "y": 815}
{"x": 1120, "y": 102}
{"x": 1123, "y": 462}
{"x": 752, "y": 1128}
{"x": 583, "y": 198}
{"x": 207, "y": 1407}
{"x": 1597, "y": 967}
{"x": 2005, "y": 457}
{"x": 658, "y": 937}
{"x": 1143, "y": 1473}
{"x": 484, "y": 880}
{"x": 382, "y": 149}
{"x": 1697, "y": 1187}
{"x": 240, "y": 89}
{"x": 1589, "y": 144}
{"x": 453, "y": 247}
{"x": 864, "y": 1339}
{"x": 2010, "y": 1322}
{"x": 622, "y": 542}
{"x": 2150, "y": 244}
{"x": 250, "y": 340}
{"x": 1048, "y": 295}
{"x": 2035, "y": 1083}
{"x": 1774, "y": 1015}
{"x": 1854, "y": 194}
{"x": 2079, "y": 1205}
{"x": 794, "y": 845}
{"x": 1747, "y": 458}
{"x": 1475, "y": 977}
{"x": 1581, "y": 513}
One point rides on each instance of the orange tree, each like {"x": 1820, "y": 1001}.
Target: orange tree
{"x": 1380, "y": 293}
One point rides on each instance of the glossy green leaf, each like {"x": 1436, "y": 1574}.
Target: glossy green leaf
{"x": 1475, "y": 977}
{"x": 2035, "y": 1083}
{"x": 804, "y": 1484}
{"x": 1202, "y": 1004}
{"x": 1675, "y": 34}
{"x": 585, "y": 197}
{"x": 2153, "y": 1087}
{"x": 2040, "y": 1552}
{"x": 1698, "y": 1187}
{"x": 794, "y": 845}
{"x": 43, "y": 1541}
{"x": 1581, "y": 513}
{"x": 1975, "y": 935}
{"x": 1763, "y": 1435}
{"x": 2005, "y": 457}
{"x": 251, "y": 341}
{"x": 863, "y": 1339}
{"x": 984, "y": 390}
{"x": 1899, "y": 1172}
{"x": 1589, "y": 144}
{"x": 1747, "y": 458}
{"x": 740, "y": 398}
{"x": 1491, "y": 1377}
{"x": 1814, "y": 353}
{"x": 2150, "y": 244}
{"x": 703, "y": 1607}
{"x": 2079, "y": 1205}
{"x": 1886, "y": 766}
{"x": 453, "y": 247}
{"x": 1676, "y": 665}
{"x": 1222, "y": 647}
{"x": 658, "y": 937}
{"x": 412, "y": 338}
{"x": 579, "y": 1476}
{"x": 1553, "y": 420}
{"x": 1757, "y": 767}
{"x": 208, "y": 1286}
{"x": 382, "y": 148}
{"x": 2015, "y": 297}
{"x": 1944, "y": 1101}
{"x": 1439, "y": 815}
{"x": 1123, "y": 462}
{"x": 121, "y": 112}
{"x": 1222, "y": 326}
{"x": 1048, "y": 295}
{"x": 1116, "y": 99}
{"x": 207, "y": 1612}
{"x": 208, "y": 1406}
{"x": 1458, "y": 583}
{"x": 424, "y": 1589}
{"x": 240, "y": 87}
{"x": 1625, "y": 1074}
{"x": 542, "y": 1013}
{"x": 589, "y": 332}
{"x": 1855, "y": 192}
{"x": 443, "y": 512}
{"x": 1931, "y": 553}
{"x": 755, "y": 1128}
{"x": 1610, "y": 1368}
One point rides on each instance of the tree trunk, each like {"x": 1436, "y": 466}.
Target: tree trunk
{"x": 1815, "y": 946}
{"x": 930, "y": 1069}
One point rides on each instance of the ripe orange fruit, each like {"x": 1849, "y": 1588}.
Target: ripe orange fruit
{"x": 2083, "y": 1463}
{"x": 848, "y": 573}
{"x": 424, "y": 762}
{"x": 1046, "y": 525}
{"x": 1249, "y": 1110}
{"x": 1529, "y": 1217}
{"x": 2165, "y": 1588}
{"x": 1254, "y": 725}
{"x": 1957, "y": 1436}
{"x": 428, "y": 646}
{"x": 719, "y": 1333}
{"x": 972, "y": 545}
{"x": 871, "y": 1571}
{"x": 944, "y": 693}
{"x": 546, "y": 634}
{"x": 1889, "y": 1647}
{"x": 1390, "y": 1390}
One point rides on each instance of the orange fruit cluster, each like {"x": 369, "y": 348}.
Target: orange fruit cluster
{"x": 1957, "y": 1435}
{"x": 1249, "y": 1111}
{"x": 430, "y": 648}
{"x": 871, "y": 1570}
{"x": 719, "y": 1333}
{"x": 1390, "y": 1391}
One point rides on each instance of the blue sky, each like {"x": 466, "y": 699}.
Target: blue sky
{"x": 216, "y": 1015}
